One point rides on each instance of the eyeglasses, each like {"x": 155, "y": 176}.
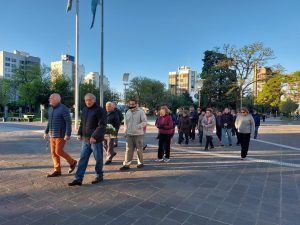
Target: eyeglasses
{"x": 243, "y": 112}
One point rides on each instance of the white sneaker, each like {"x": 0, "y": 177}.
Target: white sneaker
{"x": 167, "y": 160}
{"x": 159, "y": 160}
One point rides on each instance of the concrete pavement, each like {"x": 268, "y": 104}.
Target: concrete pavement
{"x": 195, "y": 187}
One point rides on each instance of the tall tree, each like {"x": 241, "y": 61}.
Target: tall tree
{"x": 220, "y": 82}
{"x": 288, "y": 106}
{"x": 63, "y": 86}
{"x": 244, "y": 59}
{"x": 4, "y": 91}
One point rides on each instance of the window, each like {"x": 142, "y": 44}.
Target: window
{"x": 7, "y": 59}
{"x": 7, "y": 64}
{"x": 14, "y": 60}
{"x": 13, "y": 65}
{"x": 7, "y": 70}
{"x": 21, "y": 61}
{"x": 7, "y": 75}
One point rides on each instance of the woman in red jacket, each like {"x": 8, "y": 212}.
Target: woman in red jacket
{"x": 164, "y": 123}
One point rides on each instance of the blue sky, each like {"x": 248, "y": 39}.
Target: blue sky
{"x": 151, "y": 37}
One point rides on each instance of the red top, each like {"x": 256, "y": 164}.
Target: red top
{"x": 165, "y": 124}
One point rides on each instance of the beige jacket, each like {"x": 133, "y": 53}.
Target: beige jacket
{"x": 135, "y": 122}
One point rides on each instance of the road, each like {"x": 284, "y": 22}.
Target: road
{"x": 195, "y": 187}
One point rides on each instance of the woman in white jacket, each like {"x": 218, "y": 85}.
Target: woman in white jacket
{"x": 245, "y": 125}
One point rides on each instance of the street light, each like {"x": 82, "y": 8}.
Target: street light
{"x": 125, "y": 81}
{"x": 200, "y": 86}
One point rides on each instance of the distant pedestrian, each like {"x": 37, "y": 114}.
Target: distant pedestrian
{"x": 227, "y": 123}
{"x": 233, "y": 130}
{"x": 209, "y": 123}
{"x": 113, "y": 120}
{"x": 246, "y": 127}
{"x": 164, "y": 124}
{"x": 184, "y": 126}
{"x": 200, "y": 126}
{"x": 264, "y": 117}
{"x": 194, "y": 119}
{"x": 256, "y": 118}
{"x": 121, "y": 118}
{"x": 59, "y": 127}
{"x": 219, "y": 126}
{"x": 91, "y": 134}
{"x": 135, "y": 121}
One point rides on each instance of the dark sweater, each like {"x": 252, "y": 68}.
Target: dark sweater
{"x": 93, "y": 123}
{"x": 113, "y": 119}
{"x": 227, "y": 118}
{"x": 184, "y": 124}
{"x": 59, "y": 122}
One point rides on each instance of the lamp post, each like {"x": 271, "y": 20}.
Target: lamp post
{"x": 102, "y": 54}
{"x": 125, "y": 81}
{"x": 76, "y": 65}
{"x": 200, "y": 86}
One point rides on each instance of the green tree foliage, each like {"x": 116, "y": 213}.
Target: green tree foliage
{"x": 32, "y": 83}
{"x": 244, "y": 59}
{"x": 288, "y": 106}
{"x": 220, "y": 82}
{"x": 111, "y": 95}
{"x": 4, "y": 92}
{"x": 271, "y": 93}
{"x": 148, "y": 92}
{"x": 63, "y": 86}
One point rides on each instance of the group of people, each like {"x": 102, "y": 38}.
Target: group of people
{"x": 95, "y": 120}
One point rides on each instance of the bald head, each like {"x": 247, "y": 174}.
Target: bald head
{"x": 109, "y": 106}
{"x": 54, "y": 99}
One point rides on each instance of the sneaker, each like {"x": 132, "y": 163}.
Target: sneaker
{"x": 145, "y": 146}
{"x": 140, "y": 166}
{"x": 54, "y": 174}
{"x": 72, "y": 167}
{"x": 159, "y": 160}
{"x": 124, "y": 168}
{"x": 166, "y": 160}
{"x": 97, "y": 180}
{"x": 75, "y": 183}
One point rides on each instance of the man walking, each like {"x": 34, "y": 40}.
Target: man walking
{"x": 59, "y": 127}
{"x": 109, "y": 142}
{"x": 256, "y": 118}
{"x": 135, "y": 121}
{"x": 194, "y": 119}
{"x": 227, "y": 123}
{"x": 121, "y": 118}
{"x": 200, "y": 126}
{"x": 91, "y": 133}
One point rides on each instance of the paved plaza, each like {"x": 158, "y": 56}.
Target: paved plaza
{"x": 194, "y": 188}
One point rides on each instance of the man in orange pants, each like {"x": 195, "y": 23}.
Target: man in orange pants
{"x": 59, "y": 127}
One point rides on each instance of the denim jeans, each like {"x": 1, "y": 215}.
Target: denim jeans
{"x": 256, "y": 132}
{"x": 229, "y": 133}
{"x": 86, "y": 150}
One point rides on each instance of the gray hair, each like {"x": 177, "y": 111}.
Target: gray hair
{"x": 90, "y": 95}
{"x": 109, "y": 103}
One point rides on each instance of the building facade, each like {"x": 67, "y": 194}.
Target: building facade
{"x": 94, "y": 78}
{"x": 13, "y": 60}
{"x": 183, "y": 80}
{"x": 66, "y": 67}
{"x": 260, "y": 78}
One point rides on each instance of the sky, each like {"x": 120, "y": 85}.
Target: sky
{"x": 150, "y": 37}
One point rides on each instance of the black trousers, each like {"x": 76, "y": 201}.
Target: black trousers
{"x": 245, "y": 140}
{"x": 164, "y": 145}
{"x": 186, "y": 137}
{"x": 192, "y": 132}
{"x": 238, "y": 137}
{"x": 219, "y": 132}
{"x": 209, "y": 142}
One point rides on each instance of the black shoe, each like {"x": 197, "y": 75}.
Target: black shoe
{"x": 230, "y": 145}
{"x": 75, "y": 183}
{"x": 97, "y": 180}
{"x": 212, "y": 146}
{"x": 124, "y": 168}
{"x": 54, "y": 174}
{"x": 72, "y": 167}
{"x": 222, "y": 145}
{"x": 145, "y": 147}
{"x": 114, "y": 155}
{"x": 206, "y": 149}
{"x": 140, "y": 166}
{"x": 107, "y": 162}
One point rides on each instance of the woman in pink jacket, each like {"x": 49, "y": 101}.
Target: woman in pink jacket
{"x": 164, "y": 123}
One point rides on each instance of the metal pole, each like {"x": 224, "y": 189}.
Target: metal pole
{"x": 76, "y": 64}
{"x": 102, "y": 54}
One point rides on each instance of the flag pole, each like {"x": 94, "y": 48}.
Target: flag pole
{"x": 76, "y": 64}
{"x": 102, "y": 55}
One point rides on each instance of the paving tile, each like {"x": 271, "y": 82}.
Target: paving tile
{"x": 159, "y": 212}
{"x": 178, "y": 216}
{"x": 196, "y": 220}
{"x": 147, "y": 220}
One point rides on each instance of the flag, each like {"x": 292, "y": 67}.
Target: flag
{"x": 69, "y": 6}
{"x": 94, "y": 5}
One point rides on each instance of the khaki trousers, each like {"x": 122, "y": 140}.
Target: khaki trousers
{"x": 134, "y": 142}
{"x": 57, "y": 151}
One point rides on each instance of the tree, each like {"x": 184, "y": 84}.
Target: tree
{"x": 288, "y": 106}
{"x": 244, "y": 59}
{"x": 271, "y": 93}
{"x": 63, "y": 86}
{"x": 111, "y": 95}
{"x": 148, "y": 92}
{"x": 31, "y": 82}
{"x": 4, "y": 92}
{"x": 220, "y": 83}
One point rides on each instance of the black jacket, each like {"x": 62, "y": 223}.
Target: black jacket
{"x": 113, "y": 119}
{"x": 120, "y": 114}
{"x": 227, "y": 118}
{"x": 93, "y": 123}
{"x": 256, "y": 118}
